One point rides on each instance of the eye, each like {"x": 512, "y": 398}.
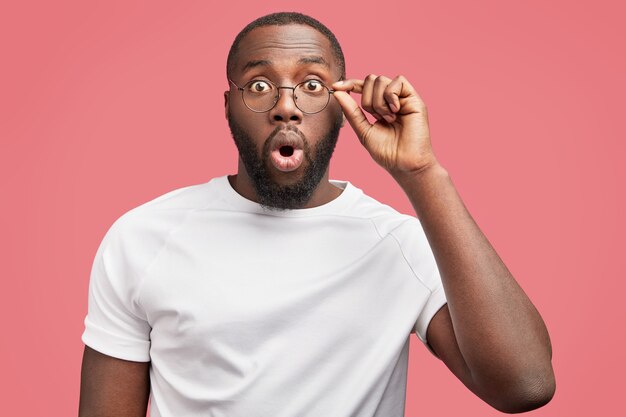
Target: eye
{"x": 259, "y": 86}
{"x": 313, "y": 86}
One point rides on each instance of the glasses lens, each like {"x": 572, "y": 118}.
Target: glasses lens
{"x": 260, "y": 95}
{"x": 311, "y": 96}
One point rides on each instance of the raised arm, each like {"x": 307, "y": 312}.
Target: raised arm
{"x": 490, "y": 335}
{"x": 112, "y": 387}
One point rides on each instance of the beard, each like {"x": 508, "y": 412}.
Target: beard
{"x": 274, "y": 196}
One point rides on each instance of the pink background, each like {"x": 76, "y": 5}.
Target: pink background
{"x": 105, "y": 105}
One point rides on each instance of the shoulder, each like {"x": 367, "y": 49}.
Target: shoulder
{"x": 138, "y": 234}
{"x": 385, "y": 218}
{"x": 406, "y": 231}
{"x": 167, "y": 210}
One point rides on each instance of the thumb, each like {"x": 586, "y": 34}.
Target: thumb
{"x": 353, "y": 113}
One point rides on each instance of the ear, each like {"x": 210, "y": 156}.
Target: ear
{"x": 226, "y": 97}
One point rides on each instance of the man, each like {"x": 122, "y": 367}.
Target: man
{"x": 279, "y": 292}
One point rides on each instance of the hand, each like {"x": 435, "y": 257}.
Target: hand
{"x": 399, "y": 140}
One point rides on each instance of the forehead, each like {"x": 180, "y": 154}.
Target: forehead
{"x": 277, "y": 47}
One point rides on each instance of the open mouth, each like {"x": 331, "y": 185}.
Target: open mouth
{"x": 287, "y": 152}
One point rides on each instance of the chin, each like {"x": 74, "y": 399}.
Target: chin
{"x": 286, "y": 178}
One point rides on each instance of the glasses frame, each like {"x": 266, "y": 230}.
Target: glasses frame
{"x": 278, "y": 88}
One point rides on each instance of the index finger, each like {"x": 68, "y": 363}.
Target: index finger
{"x": 354, "y": 85}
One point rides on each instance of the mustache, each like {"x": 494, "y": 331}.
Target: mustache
{"x": 286, "y": 128}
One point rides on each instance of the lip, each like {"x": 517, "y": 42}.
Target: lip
{"x": 286, "y": 137}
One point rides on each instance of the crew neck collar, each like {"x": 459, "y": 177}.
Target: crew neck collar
{"x": 338, "y": 204}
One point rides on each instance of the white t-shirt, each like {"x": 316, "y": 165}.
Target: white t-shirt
{"x": 245, "y": 312}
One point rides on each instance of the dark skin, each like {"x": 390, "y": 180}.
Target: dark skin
{"x": 283, "y": 47}
{"x": 489, "y": 334}
{"x": 113, "y": 387}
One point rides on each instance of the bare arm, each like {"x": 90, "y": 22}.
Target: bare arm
{"x": 490, "y": 335}
{"x": 112, "y": 387}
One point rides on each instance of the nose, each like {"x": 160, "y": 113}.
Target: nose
{"x": 285, "y": 110}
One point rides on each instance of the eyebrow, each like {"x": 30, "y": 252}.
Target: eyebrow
{"x": 256, "y": 63}
{"x": 304, "y": 60}
{"x": 314, "y": 60}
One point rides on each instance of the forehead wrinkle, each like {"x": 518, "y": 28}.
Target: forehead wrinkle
{"x": 308, "y": 45}
{"x": 293, "y": 42}
{"x": 264, "y": 51}
{"x": 302, "y": 61}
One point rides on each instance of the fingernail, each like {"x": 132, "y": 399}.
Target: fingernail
{"x": 338, "y": 83}
{"x": 388, "y": 118}
{"x": 393, "y": 107}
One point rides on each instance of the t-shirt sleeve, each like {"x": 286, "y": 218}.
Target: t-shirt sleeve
{"x": 419, "y": 255}
{"x": 115, "y": 324}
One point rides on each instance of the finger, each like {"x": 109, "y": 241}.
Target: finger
{"x": 351, "y": 85}
{"x": 400, "y": 89}
{"x": 392, "y": 94}
{"x": 353, "y": 113}
{"x": 379, "y": 102}
{"x": 367, "y": 94}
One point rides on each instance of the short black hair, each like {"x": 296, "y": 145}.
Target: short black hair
{"x": 282, "y": 19}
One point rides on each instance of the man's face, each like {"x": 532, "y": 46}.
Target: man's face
{"x": 285, "y": 152}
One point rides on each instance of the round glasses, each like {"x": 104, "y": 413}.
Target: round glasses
{"x": 310, "y": 96}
